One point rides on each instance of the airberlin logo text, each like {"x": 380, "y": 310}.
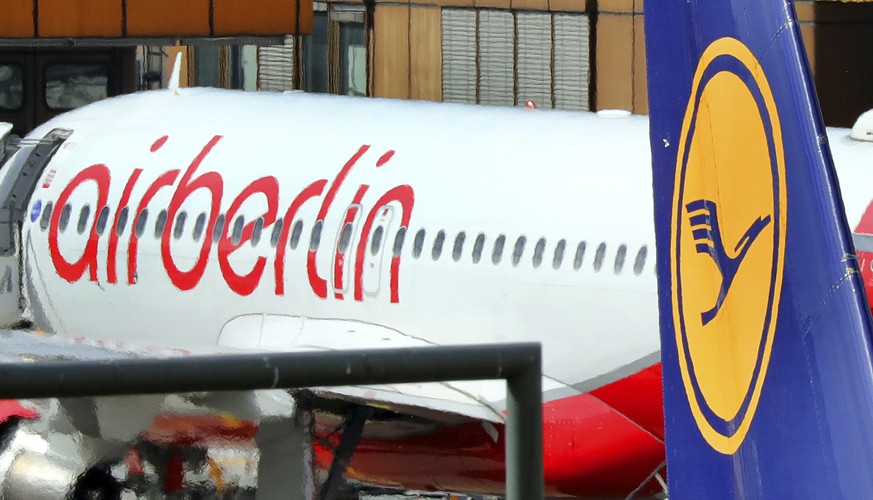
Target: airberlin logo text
{"x": 212, "y": 183}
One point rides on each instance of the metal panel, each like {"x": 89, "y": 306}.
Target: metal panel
{"x": 459, "y": 55}
{"x": 572, "y": 61}
{"x": 496, "y": 33}
{"x": 534, "y": 70}
{"x": 276, "y": 66}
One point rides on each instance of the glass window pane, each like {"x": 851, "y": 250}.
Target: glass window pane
{"x": 418, "y": 244}
{"x": 497, "y": 254}
{"x": 376, "y": 242}
{"x": 459, "y": 246}
{"x": 180, "y": 225}
{"x": 102, "y": 220}
{"x": 218, "y": 230}
{"x": 69, "y": 86}
{"x": 295, "y": 234}
{"x": 238, "y": 225}
{"x": 141, "y": 222}
{"x": 353, "y": 60}
{"x": 315, "y": 239}
{"x": 65, "y": 217}
{"x": 559, "y": 254}
{"x": 538, "y": 252}
{"x": 619, "y": 258}
{"x": 580, "y": 256}
{"x": 315, "y": 67}
{"x": 477, "y": 248}
{"x": 160, "y": 223}
{"x": 277, "y": 232}
{"x": 345, "y": 238}
{"x": 438, "y": 244}
{"x": 83, "y": 219}
{"x": 11, "y": 87}
{"x": 518, "y": 251}
{"x": 257, "y": 231}
{"x": 598, "y": 256}
{"x": 199, "y": 225}
{"x": 640, "y": 261}
{"x": 398, "y": 241}
{"x": 207, "y": 65}
{"x": 122, "y": 221}
{"x": 47, "y": 216}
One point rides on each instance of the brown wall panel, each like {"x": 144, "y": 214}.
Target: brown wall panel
{"x": 80, "y": 18}
{"x": 530, "y": 4}
{"x": 391, "y": 51}
{"x": 425, "y": 58}
{"x": 614, "y": 59}
{"x": 640, "y": 98}
{"x": 615, "y": 6}
{"x": 17, "y": 18}
{"x": 241, "y": 17}
{"x": 168, "y": 18}
{"x": 493, "y": 4}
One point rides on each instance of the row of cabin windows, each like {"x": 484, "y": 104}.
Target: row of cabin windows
{"x": 457, "y": 248}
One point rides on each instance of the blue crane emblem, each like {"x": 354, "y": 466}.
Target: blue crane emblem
{"x": 703, "y": 215}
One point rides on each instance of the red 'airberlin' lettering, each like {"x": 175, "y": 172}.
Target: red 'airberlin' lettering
{"x": 246, "y": 284}
{"x": 212, "y": 182}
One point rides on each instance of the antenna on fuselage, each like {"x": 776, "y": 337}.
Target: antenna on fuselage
{"x": 176, "y": 75}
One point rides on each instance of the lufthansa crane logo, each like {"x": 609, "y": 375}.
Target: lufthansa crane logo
{"x": 728, "y": 241}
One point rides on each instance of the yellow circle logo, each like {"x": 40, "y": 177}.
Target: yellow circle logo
{"x": 728, "y": 241}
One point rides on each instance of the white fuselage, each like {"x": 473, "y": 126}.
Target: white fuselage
{"x": 556, "y": 179}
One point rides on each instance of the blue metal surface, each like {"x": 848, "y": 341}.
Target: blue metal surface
{"x": 806, "y": 394}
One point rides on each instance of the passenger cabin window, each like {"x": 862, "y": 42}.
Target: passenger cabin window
{"x": 438, "y": 244}
{"x": 558, "y": 258}
{"x": 478, "y": 246}
{"x": 518, "y": 251}
{"x": 199, "y": 226}
{"x": 70, "y": 86}
{"x": 180, "y": 225}
{"x": 418, "y": 243}
{"x": 619, "y": 258}
{"x": 218, "y": 230}
{"x": 599, "y": 255}
{"x": 46, "y": 216}
{"x": 315, "y": 237}
{"x": 538, "y": 253}
{"x": 458, "y": 247}
{"x": 277, "y": 232}
{"x": 398, "y": 241}
{"x": 497, "y": 253}
{"x": 65, "y": 217}
{"x": 580, "y": 256}
{"x": 83, "y": 219}
{"x": 376, "y": 241}
{"x": 160, "y": 223}
{"x": 345, "y": 238}
{"x": 238, "y": 225}
{"x": 257, "y": 231}
{"x": 141, "y": 222}
{"x": 102, "y": 219}
{"x": 640, "y": 261}
{"x": 122, "y": 221}
{"x": 295, "y": 234}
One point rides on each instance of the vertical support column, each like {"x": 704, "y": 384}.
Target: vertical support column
{"x": 286, "y": 464}
{"x": 524, "y": 434}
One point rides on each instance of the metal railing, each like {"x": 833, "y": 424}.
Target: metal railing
{"x": 519, "y": 364}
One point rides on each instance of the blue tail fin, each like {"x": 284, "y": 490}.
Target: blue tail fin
{"x": 765, "y": 330}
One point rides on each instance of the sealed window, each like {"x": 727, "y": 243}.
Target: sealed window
{"x": 438, "y": 245}
{"x": 539, "y": 250}
{"x": 478, "y": 246}
{"x": 558, "y": 258}
{"x": 398, "y": 241}
{"x": 518, "y": 251}
{"x": 599, "y": 255}
{"x": 122, "y": 221}
{"x": 640, "y": 261}
{"x": 497, "y": 253}
{"x": 102, "y": 219}
{"x": 46, "y": 216}
{"x": 619, "y": 258}
{"x": 83, "y": 219}
{"x": 580, "y": 256}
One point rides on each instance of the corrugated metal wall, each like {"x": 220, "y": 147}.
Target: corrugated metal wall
{"x": 459, "y": 55}
{"x": 276, "y": 66}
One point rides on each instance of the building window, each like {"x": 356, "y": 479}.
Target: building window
{"x": 507, "y": 58}
{"x": 332, "y": 59}
{"x": 11, "y": 87}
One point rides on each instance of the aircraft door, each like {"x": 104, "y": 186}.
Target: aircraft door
{"x": 381, "y": 237}
{"x": 18, "y": 178}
